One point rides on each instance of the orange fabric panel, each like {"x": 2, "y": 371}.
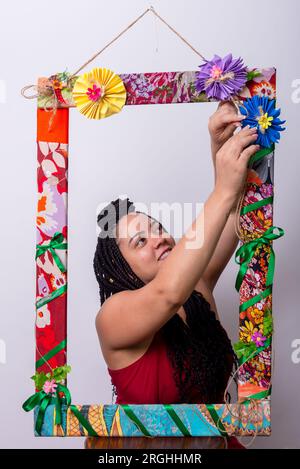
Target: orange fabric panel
{"x": 59, "y": 130}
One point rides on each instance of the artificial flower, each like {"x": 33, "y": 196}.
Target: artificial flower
{"x": 257, "y": 315}
{"x": 221, "y": 78}
{"x": 264, "y": 88}
{"x": 50, "y": 387}
{"x": 247, "y": 331}
{"x": 261, "y": 113}
{"x": 258, "y": 339}
{"x": 99, "y": 93}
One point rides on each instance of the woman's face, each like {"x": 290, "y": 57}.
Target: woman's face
{"x": 142, "y": 242}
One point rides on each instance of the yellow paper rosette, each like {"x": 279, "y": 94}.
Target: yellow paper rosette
{"x": 99, "y": 93}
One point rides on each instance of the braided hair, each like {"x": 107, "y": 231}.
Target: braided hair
{"x": 200, "y": 351}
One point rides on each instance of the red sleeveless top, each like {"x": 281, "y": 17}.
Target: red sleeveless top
{"x": 149, "y": 380}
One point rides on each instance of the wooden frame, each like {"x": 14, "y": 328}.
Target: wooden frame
{"x": 251, "y": 414}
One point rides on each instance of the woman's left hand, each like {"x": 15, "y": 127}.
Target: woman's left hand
{"x": 222, "y": 124}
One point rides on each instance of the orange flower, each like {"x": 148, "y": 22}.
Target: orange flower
{"x": 257, "y": 316}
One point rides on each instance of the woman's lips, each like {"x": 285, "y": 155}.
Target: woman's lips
{"x": 164, "y": 255}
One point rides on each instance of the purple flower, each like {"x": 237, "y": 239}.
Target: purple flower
{"x": 258, "y": 338}
{"x": 221, "y": 78}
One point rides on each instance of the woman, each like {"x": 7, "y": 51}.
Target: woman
{"x": 158, "y": 324}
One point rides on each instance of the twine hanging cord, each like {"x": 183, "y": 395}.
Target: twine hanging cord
{"x": 150, "y": 9}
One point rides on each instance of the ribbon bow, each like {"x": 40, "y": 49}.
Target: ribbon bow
{"x": 245, "y": 253}
{"x": 42, "y": 399}
{"x": 56, "y": 242}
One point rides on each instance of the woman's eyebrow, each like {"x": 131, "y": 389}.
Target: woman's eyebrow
{"x": 140, "y": 232}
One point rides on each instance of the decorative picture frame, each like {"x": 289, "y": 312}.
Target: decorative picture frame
{"x": 54, "y": 414}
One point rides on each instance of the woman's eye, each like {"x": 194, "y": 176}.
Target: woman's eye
{"x": 141, "y": 239}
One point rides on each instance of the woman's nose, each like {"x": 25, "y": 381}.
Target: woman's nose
{"x": 158, "y": 241}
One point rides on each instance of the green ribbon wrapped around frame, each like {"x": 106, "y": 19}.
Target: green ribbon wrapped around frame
{"x": 245, "y": 253}
{"x": 56, "y": 242}
{"x": 43, "y": 400}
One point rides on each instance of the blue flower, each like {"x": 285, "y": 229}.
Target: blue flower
{"x": 260, "y": 112}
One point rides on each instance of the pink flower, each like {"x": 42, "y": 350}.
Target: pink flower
{"x": 258, "y": 338}
{"x": 94, "y": 93}
{"x": 50, "y": 387}
{"x": 266, "y": 190}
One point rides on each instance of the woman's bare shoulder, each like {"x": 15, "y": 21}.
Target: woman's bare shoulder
{"x": 102, "y": 316}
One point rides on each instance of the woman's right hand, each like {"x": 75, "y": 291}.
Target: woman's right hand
{"x": 232, "y": 162}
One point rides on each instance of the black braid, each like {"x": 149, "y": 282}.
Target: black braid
{"x": 200, "y": 352}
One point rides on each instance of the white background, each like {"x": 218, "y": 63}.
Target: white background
{"x": 150, "y": 153}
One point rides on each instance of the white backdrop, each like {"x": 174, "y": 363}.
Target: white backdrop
{"x": 150, "y": 153}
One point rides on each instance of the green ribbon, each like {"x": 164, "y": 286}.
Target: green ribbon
{"x": 85, "y": 423}
{"x": 43, "y": 400}
{"x": 56, "y": 242}
{"x": 256, "y": 205}
{"x": 177, "y": 420}
{"x": 245, "y": 253}
{"x": 51, "y": 353}
{"x": 260, "y": 154}
{"x": 130, "y": 413}
{"x": 217, "y": 421}
{"x": 42, "y": 301}
{"x": 255, "y": 299}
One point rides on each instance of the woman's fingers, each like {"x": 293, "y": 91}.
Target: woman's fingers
{"x": 226, "y": 105}
{"x": 240, "y": 141}
{"x": 246, "y": 141}
{"x": 230, "y": 118}
{"x": 248, "y": 152}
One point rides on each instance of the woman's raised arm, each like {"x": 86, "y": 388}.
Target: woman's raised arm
{"x": 132, "y": 316}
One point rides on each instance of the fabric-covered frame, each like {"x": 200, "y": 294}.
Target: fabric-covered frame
{"x": 251, "y": 414}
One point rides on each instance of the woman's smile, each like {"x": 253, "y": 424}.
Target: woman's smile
{"x": 164, "y": 255}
